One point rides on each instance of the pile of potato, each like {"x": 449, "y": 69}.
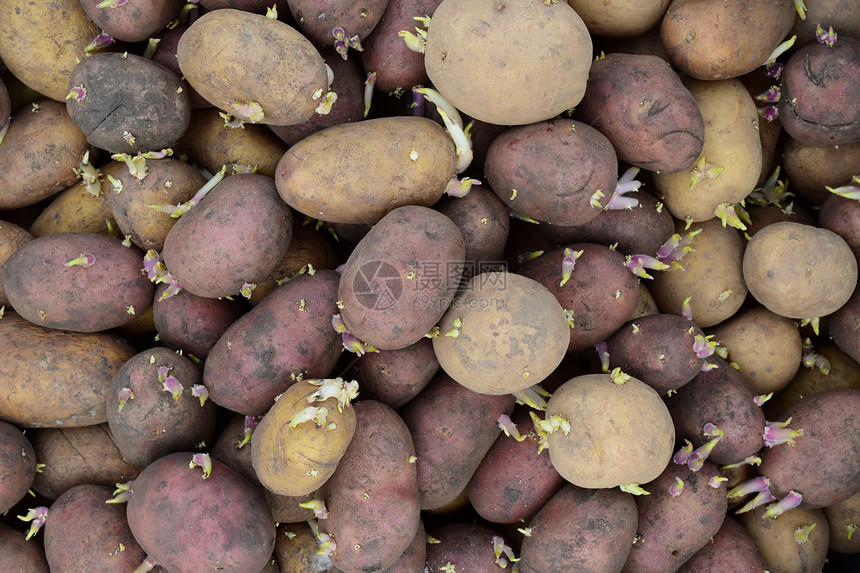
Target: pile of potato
{"x": 429, "y": 285}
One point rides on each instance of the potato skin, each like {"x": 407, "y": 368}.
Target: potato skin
{"x": 12, "y": 237}
{"x": 372, "y": 497}
{"x": 799, "y": 271}
{"x": 732, "y": 548}
{"x": 19, "y": 555}
{"x": 775, "y": 539}
{"x": 394, "y": 377}
{"x": 80, "y": 298}
{"x": 134, "y": 23}
{"x": 581, "y": 530}
{"x": 84, "y": 533}
{"x": 329, "y": 176}
{"x": 236, "y": 235}
{"x": 466, "y": 546}
{"x": 626, "y": 19}
{"x": 235, "y": 57}
{"x": 642, "y": 107}
{"x": 72, "y": 390}
{"x": 539, "y": 56}
{"x": 18, "y": 460}
{"x": 74, "y": 456}
{"x": 717, "y": 40}
{"x": 619, "y": 434}
{"x": 287, "y": 335}
{"x": 823, "y": 464}
{"x": 392, "y": 297}
{"x": 188, "y": 523}
{"x": 42, "y": 148}
{"x": 552, "y": 170}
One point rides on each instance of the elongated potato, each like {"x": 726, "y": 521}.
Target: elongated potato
{"x": 358, "y": 172}
{"x": 54, "y": 378}
{"x": 256, "y": 68}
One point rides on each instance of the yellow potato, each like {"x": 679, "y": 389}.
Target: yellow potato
{"x": 619, "y": 19}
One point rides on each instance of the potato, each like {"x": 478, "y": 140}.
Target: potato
{"x": 372, "y": 497}
{"x": 188, "y": 523}
{"x": 843, "y": 14}
{"x": 799, "y": 271}
{"x": 816, "y": 111}
{"x": 386, "y": 53}
{"x": 620, "y": 433}
{"x": 42, "y": 148}
{"x": 95, "y": 282}
{"x": 761, "y": 217}
{"x": 140, "y": 21}
{"x": 284, "y": 338}
{"x": 235, "y": 236}
{"x": 401, "y": 161}
{"x": 843, "y": 518}
{"x": 83, "y": 532}
{"x": 778, "y": 539}
{"x": 211, "y": 144}
{"x": 19, "y": 555}
{"x": 483, "y": 220}
{"x": 192, "y": 324}
{"x": 148, "y": 417}
{"x": 812, "y": 169}
{"x": 539, "y": 55}
{"x": 390, "y": 297}
{"x": 12, "y": 237}
{"x": 765, "y": 346}
{"x": 41, "y": 41}
{"x": 297, "y": 445}
{"x": 672, "y": 525}
{"x": 138, "y": 207}
{"x": 394, "y": 377}
{"x": 581, "y": 530}
{"x": 297, "y": 550}
{"x": 639, "y": 102}
{"x": 731, "y": 548}
{"x": 658, "y": 349}
{"x": 463, "y": 547}
{"x": 842, "y": 216}
{"x": 75, "y": 456}
{"x": 269, "y": 73}
{"x": 513, "y": 481}
{"x": 844, "y": 326}
{"x": 561, "y": 172}
{"x": 452, "y": 429}
{"x": 598, "y": 295}
{"x": 77, "y": 210}
{"x": 319, "y": 20}
{"x": 147, "y": 110}
{"x": 821, "y": 463}
{"x": 54, "y": 378}
{"x": 719, "y": 396}
{"x": 712, "y": 41}
{"x": 619, "y": 19}
{"x": 165, "y": 54}
{"x": 712, "y": 277}
{"x": 18, "y": 466}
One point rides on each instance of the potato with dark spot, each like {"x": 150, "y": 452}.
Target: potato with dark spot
{"x": 55, "y": 378}
{"x": 147, "y": 110}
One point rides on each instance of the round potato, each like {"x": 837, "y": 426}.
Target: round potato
{"x": 619, "y": 19}
{"x": 620, "y": 431}
{"x": 255, "y": 68}
{"x": 358, "y": 172}
{"x": 799, "y": 271}
{"x": 535, "y": 53}
{"x": 502, "y": 334}
{"x": 135, "y": 22}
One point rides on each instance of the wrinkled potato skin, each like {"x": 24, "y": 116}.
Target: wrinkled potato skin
{"x": 713, "y": 40}
{"x": 328, "y": 176}
{"x": 231, "y": 56}
{"x": 40, "y": 41}
{"x": 52, "y": 378}
{"x": 40, "y": 152}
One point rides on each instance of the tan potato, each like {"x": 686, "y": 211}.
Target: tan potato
{"x": 39, "y": 154}
{"x": 297, "y": 445}
{"x": 714, "y": 40}
{"x": 812, "y": 169}
{"x": 508, "y": 63}
{"x": 255, "y": 68}
{"x": 843, "y": 517}
{"x": 731, "y": 142}
{"x": 54, "y": 378}
{"x": 799, "y": 271}
{"x": 210, "y": 144}
{"x": 778, "y": 539}
{"x": 624, "y": 19}
{"x": 712, "y": 276}
{"x": 766, "y": 347}
{"x": 12, "y": 237}
{"x": 358, "y": 172}
{"x": 41, "y": 40}
{"x": 619, "y": 433}
{"x": 78, "y": 210}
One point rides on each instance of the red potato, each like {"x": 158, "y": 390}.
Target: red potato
{"x": 20, "y": 555}
{"x": 17, "y": 465}
{"x": 12, "y": 237}
{"x": 189, "y": 519}
{"x": 731, "y": 548}
{"x": 394, "y": 377}
{"x": 464, "y": 547}
{"x": 132, "y": 23}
